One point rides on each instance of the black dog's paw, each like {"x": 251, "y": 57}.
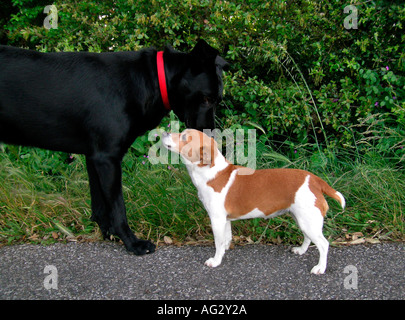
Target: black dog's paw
{"x": 141, "y": 247}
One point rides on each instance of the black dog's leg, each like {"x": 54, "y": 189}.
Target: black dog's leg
{"x": 109, "y": 208}
{"x": 99, "y": 207}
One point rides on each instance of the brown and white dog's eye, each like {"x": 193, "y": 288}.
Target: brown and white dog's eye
{"x": 183, "y": 137}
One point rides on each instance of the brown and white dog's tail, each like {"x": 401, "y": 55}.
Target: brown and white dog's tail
{"x": 324, "y": 188}
{"x": 339, "y": 197}
{"x": 329, "y": 191}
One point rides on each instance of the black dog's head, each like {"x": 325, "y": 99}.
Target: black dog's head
{"x": 195, "y": 84}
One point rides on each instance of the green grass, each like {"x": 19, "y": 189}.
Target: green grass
{"x": 43, "y": 199}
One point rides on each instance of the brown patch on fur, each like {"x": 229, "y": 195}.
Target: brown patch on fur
{"x": 268, "y": 190}
{"x": 272, "y": 190}
{"x": 221, "y": 179}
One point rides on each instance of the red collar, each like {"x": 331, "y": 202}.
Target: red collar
{"x": 162, "y": 79}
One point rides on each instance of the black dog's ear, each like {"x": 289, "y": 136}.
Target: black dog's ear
{"x": 222, "y": 63}
{"x": 169, "y": 48}
{"x": 204, "y": 51}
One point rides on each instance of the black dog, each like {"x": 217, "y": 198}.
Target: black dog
{"x": 96, "y": 104}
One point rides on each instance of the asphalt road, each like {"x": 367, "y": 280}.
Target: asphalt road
{"x": 104, "y": 270}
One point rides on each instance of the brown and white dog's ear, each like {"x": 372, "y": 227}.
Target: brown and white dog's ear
{"x": 207, "y": 153}
{"x": 205, "y": 156}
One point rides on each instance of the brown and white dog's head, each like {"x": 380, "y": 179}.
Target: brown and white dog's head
{"x": 194, "y": 146}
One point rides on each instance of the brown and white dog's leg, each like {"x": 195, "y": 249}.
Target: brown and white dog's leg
{"x": 310, "y": 222}
{"x": 304, "y": 247}
{"x": 228, "y": 234}
{"x": 219, "y": 226}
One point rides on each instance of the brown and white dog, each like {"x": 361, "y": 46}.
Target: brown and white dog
{"x": 230, "y": 192}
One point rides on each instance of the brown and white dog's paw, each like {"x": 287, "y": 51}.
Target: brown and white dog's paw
{"x": 298, "y": 250}
{"x": 211, "y": 262}
{"x": 318, "y": 269}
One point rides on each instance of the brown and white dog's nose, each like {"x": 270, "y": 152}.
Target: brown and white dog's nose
{"x": 167, "y": 140}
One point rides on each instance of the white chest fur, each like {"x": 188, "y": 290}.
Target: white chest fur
{"x": 214, "y": 202}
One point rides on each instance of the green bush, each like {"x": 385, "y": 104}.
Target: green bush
{"x": 296, "y": 71}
